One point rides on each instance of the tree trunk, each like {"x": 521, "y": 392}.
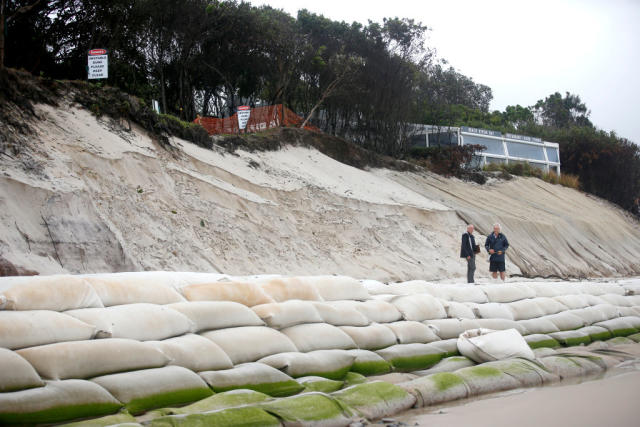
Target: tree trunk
{"x": 2, "y": 24}
{"x": 163, "y": 95}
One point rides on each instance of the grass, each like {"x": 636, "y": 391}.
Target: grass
{"x": 525, "y": 169}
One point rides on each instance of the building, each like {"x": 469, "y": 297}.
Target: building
{"x": 501, "y": 148}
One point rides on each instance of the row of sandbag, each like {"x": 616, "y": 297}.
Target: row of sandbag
{"x": 67, "y": 292}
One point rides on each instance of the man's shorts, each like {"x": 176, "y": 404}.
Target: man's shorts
{"x": 496, "y": 266}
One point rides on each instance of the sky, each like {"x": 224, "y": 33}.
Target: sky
{"x": 525, "y": 50}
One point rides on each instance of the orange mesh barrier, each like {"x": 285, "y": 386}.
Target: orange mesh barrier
{"x": 262, "y": 118}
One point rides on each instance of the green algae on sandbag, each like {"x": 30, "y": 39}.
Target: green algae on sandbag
{"x": 353, "y": 378}
{"x": 620, "y": 341}
{"x": 571, "y": 338}
{"x": 541, "y": 341}
{"x": 369, "y": 363}
{"x": 527, "y": 372}
{"x": 109, "y": 420}
{"x": 448, "y": 364}
{"x": 619, "y": 327}
{"x": 596, "y": 333}
{"x": 57, "y": 401}
{"x": 225, "y": 400}
{"x": 412, "y": 357}
{"x": 155, "y": 388}
{"x": 485, "y": 379}
{"x": 564, "y": 367}
{"x": 436, "y": 388}
{"x": 253, "y": 376}
{"x": 449, "y": 346}
{"x": 244, "y": 416}
{"x": 309, "y": 409}
{"x": 376, "y": 399}
{"x": 331, "y": 364}
{"x": 634, "y": 337}
{"x": 323, "y": 385}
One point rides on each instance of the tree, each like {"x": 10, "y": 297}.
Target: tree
{"x": 9, "y": 10}
{"x": 560, "y": 112}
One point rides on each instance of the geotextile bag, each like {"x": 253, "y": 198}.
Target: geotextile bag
{"x": 331, "y": 364}
{"x": 485, "y": 379}
{"x": 340, "y": 315}
{"x": 507, "y": 292}
{"x": 369, "y": 363}
{"x": 281, "y": 315}
{"x": 573, "y": 301}
{"x": 321, "y": 384}
{"x": 287, "y": 288}
{"x": 335, "y": 288}
{"x": 193, "y": 352}
{"x": 241, "y": 416}
{"x": 436, "y": 388}
{"x": 541, "y": 341}
{"x": 571, "y": 338}
{"x": 451, "y": 328}
{"x": 412, "y": 357}
{"x": 483, "y": 345}
{"x": 525, "y": 309}
{"x": 409, "y": 331}
{"x": 318, "y": 336}
{"x": 309, "y": 409}
{"x": 245, "y": 293}
{"x": 253, "y": 376}
{"x": 376, "y": 399}
{"x": 565, "y": 321}
{"x": 372, "y": 337}
{"x": 500, "y": 325}
{"x": 493, "y": 310}
{"x": 448, "y": 364}
{"x": 458, "y": 310}
{"x": 208, "y": 315}
{"x": 224, "y": 400}
{"x": 620, "y": 327}
{"x": 528, "y": 373}
{"x": 250, "y": 343}
{"x": 419, "y": 307}
{"x": 538, "y": 326}
{"x": 56, "y": 293}
{"x": 119, "y": 289}
{"x": 16, "y": 373}
{"x": 378, "y": 311}
{"x": 462, "y": 293}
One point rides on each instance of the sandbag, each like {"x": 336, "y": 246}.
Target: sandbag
{"x": 16, "y": 373}
{"x": 462, "y": 293}
{"x": 340, "y": 315}
{"x": 332, "y": 364}
{"x": 248, "y": 294}
{"x": 419, "y": 307}
{"x": 493, "y": 310}
{"x": 412, "y": 357}
{"x": 596, "y": 333}
{"x": 309, "y": 409}
{"x": 485, "y": 379}
{"x": 409, "y": 331}
{"x": 57, "y": 401}
{"x": 20, "y": 329}
{"x": 250, "y": 343}
{"x": 334, "y": 288}
{"x": 451, "y": 328}
{"x": 120, "y": 419}
{"x": 507, "y": 293}
{"x": 208, "y": 315}
{"x": 484, "y": 345}
{"x": 544, "y": 351}
{"x": 321, "y": 384}
{"x": 142, "y": 322}
{"x": 242, "y": 416}
{"x": 590, "y": 315}
{"x": 224, "y": 400}
{"x": 546, "y": 289}
{"x": 253, "y": 376}
{"x": 525, "y": 309}
{"x": 562, "y": 366}
{"x": 627, "y": 311}
{"x": 536, "y": 341}
{"x": 56, "y": 293}
{"x": 599, "y": 289}
{"x": 118, "y": 290}
{"x": 416, "y": 287}
{"x": 368, "y": 363}
{"x": 550, "y": 305}
{"x": 528, "y": 373}
{"x": 282, "y": 289}
{"x": 573, "y": 301}
{"x": 618, "y": 300}
{"x": 500, "y": 325}
{"x": 281, "y": 315}
{"x": 86, "y": 359}
{"x": 375, "y": 310}
{"x": 538, "y": 326}
{"x": 571, "y": 338}
{"x": 448, "y": 364}
{"x": 436, "y": 388}
{"x": 619, "y": 327}
{"x": 458, "y": 310}
{"x": 172, "y": 279}
{"x": 318, "y": 336}
{"x": 374, "y": 287}
{"x": 375, "y": 400}
{"x": 154, "y": 388}
{"x": 193, "y": 352}
{"x": 372, "y": 337}
{"x": 449, "y": 346}
{"x": 565, "y": 321}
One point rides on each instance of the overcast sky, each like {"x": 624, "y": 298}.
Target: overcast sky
{"x": 525, "y": 50}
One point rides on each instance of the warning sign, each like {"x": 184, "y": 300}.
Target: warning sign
{"x": 98, "y": 64}
{"x": 244, "y": 111}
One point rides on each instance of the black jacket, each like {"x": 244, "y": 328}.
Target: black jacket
{"x": 499, "y": 243}
{"x": 466, "y": 248}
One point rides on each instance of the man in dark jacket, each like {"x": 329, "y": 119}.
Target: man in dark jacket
{"x": 467, "y": 252}
{"x": 496, "y": 244}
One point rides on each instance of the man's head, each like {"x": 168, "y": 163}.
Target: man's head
{"x": 496, "y": 228}
{"x": 470, "y": 228}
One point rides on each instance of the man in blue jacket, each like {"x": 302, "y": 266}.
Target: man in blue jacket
{"x": 496, "y": 244}
{"x": 467, "y": 252}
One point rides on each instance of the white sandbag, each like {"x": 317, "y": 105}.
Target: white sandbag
{"x": 451, "y": 328}
{"x": 86, "y": 359}
{"x": 448, "y": 364}
{"x": 501, "y": 325}
{"x": 374, "y": 287}
{"x": 16, "y": 373}
{"x": 56, "y": 402}
{"x": 368, "y": 363}
{"x": 130, "y": 289}
{"x": 334, "y": 288}
{"x": 245, "y": 293}
{"x": 56, "y": 293}
{"x": 20, "y": 329}
{"x": 409, "y": 331}
{"x": 569, "y": 367}
{"x": 507, "y": 292}
{"x": 332, "y": 364}
{"x": 543, "y": 352}
{"x": 618, "y": 300}
{"x": 621, "y": 326}
{"x": 436, "y": 388}
{"x": 550, "y": 305}
{"x": 591, "y": 315}
{"x": 634, "y": 299}
{"x": 287, "y": 288}
{"x": 250, "y": 343}
{"x": 571, "y": 338}
{"x": 318, "y": 336}
{"x": 419, "y": 307}
{"x": 484, "y": 345}
{"x": 252, "y": 376}
{"x": 493, "y": 310}
{"x": 565, "y": 321}
{"x": 627, "y": 311}
{"x": 372, "y": 337}
{"x": 458, "y": 310}
{"x": 172, "y": 279}
{"x": 194, "y": 352}
{"x": 208, "y": 315}
{"x": 416, "y": 287}
{"x": 538, "y": 326}
{"x": 525, "y": 309}
{"x": 193, "y": 278}
{"x": 281, "y": 315}
{"x": 154, "y": 388}
{"x": 599, "y": 289}
{"x": 462, "y": 293}
{"x": 536, "y": 341}
{"x": 594, "y": 300}
{"x": 573, "y": 301}
{"x": 375, "y": 310}
{"x": 528, "y": 373}
{"x": 142, "y": 322}
{"x": 376, "y": 399}
{"x": 449, "y": 346}
{"x": 413, "y": 357}
{"x": 546, "y": 289}
{"x": 340, "y": 315}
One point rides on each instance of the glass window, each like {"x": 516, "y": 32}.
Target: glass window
{"x": 494, "y": 160}
{"x": 542, "y": 166}
{"x": 552, "y": 154}
{"x": 476, "y": 162}
{"x": 419, "y": 140}
{"x": 443, "y": 138}
{"x": 525, "y": 151}
{"x": 494, "y": 146}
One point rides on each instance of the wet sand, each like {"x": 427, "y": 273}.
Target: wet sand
{"x": 610, "y": 401}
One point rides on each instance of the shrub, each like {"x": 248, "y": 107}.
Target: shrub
{"x": 571, "y": 181}
{"x": 446, "y": 160}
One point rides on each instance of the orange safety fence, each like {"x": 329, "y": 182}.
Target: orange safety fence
{"x": 261, "y": 118}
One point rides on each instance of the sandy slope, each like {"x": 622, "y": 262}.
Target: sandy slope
{"x": 86, "y": 196}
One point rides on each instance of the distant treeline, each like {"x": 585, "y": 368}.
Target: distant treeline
{"x": 367, "y": 83}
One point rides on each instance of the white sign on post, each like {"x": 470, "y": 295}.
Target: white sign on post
{"x": 244, "y": 111}
{"x": 98, "y": 64}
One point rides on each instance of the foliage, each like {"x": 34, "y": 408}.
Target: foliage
{"x": 446, "y": 160}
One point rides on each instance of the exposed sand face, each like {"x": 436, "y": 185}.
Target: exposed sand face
{"x": 95, "y": 198}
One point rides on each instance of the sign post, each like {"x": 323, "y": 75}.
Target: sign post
{"x": 98, "y": 64}
{"x": 244, "y": 111}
